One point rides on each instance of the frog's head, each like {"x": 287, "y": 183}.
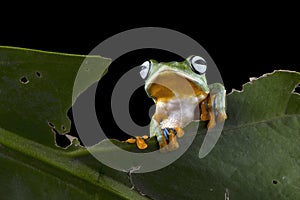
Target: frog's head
{"x": 165, "y": 80}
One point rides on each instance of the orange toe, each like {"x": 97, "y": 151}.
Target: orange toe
{"x": 180, "y": 132}
{"x": 141, "y": 143}
{"x": 131, "y": 140}
{"x": 145, "y": 137}
{"x": 173, "y": 144}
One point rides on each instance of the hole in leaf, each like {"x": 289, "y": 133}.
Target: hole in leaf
{"x": 61, "y": 140}
{"x": 63, "y": 128}
{"x": 38, "y": 74}
{"x": 274, "y": 182}
{"x": 24, "y": 80}
{"x": 51, "y": 125}
{"x": 73, "y": 132}
{"x": 297, "y": 89}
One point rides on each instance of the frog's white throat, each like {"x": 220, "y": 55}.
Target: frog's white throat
{"x": 179, "y": 112}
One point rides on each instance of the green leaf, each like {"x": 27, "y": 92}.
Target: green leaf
{"x": 36, "y": 89}
{"x": 32, "y": 167}
{"x": 256, "y": 157}
{"x": 30, "y": 170}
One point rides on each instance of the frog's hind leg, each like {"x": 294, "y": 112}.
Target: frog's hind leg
{"x": 215, "y": 105}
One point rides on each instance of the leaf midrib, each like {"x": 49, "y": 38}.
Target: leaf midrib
{"x": 57, "y": 159}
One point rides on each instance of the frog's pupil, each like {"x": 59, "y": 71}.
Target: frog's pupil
{"x": 144, "y": 67}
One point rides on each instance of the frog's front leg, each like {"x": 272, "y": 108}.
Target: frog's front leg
{"x": 166, "y": 137}
{"x": 139, "y": 140}
{"x": 155, "y": 130}
{"x": 213, "y": 107}
{"x": 162, "y": 135}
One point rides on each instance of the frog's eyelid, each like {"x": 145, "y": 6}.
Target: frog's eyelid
{"x": 198, "y": 64}
{"x": 145, "y": 69}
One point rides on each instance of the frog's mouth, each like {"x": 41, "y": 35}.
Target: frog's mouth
{"x": 169, "y": 83}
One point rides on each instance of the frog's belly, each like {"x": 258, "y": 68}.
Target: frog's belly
{"x": 177, "y": 112}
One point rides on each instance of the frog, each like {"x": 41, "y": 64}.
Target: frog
{"x": 178, "y": 89}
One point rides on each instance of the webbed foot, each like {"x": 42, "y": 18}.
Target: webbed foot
{"x": 168, "y": 140}
{"x": 140, "y": 141}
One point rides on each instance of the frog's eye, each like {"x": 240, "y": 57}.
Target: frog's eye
{"x": 198, "y": 64}
{"x": 145, "y": 69}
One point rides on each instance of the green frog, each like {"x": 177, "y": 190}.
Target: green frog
{"x": 179, "y": 89}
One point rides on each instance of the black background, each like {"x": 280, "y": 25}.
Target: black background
{"x": 241, "y": 46}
